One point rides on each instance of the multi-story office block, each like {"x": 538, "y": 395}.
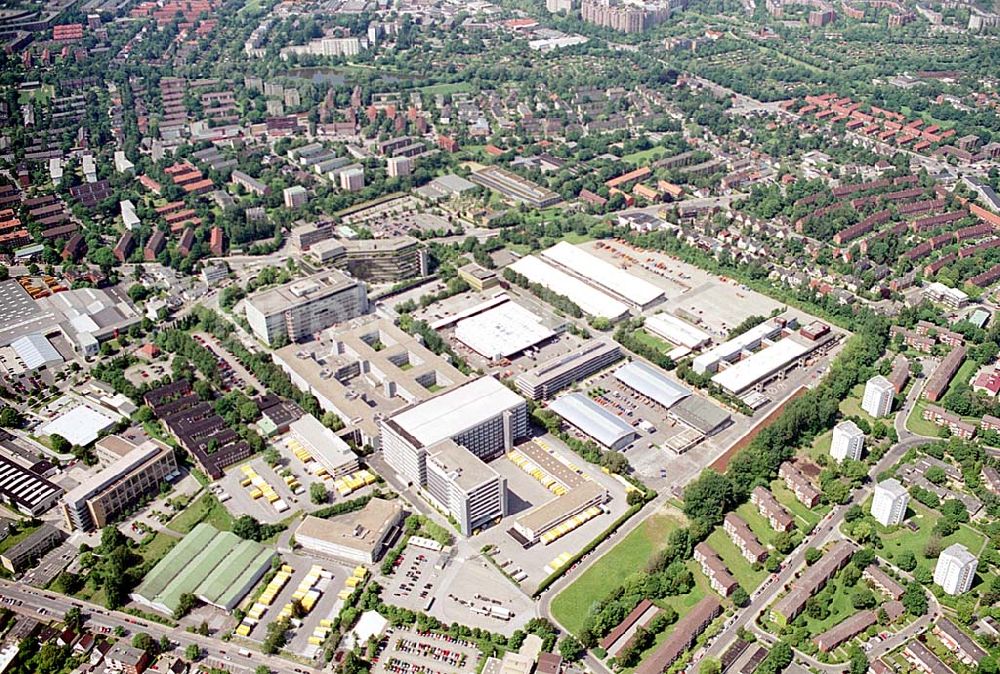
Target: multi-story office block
{"x": 110, "y": 493}
{"x": 464, "y": 486}
{"x": 879, "y": 393}
{"x": 956, "y": 569}
{"x": 558, "y": 373}
{"x": 848, "y": 441}
{"x": 889, "y": 503}
{"x": 304, "y": 307}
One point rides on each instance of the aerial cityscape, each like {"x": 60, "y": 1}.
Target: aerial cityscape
{"x": 500, "y": 336}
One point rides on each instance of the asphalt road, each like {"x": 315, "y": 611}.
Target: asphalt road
{"x": 45, "y": 606}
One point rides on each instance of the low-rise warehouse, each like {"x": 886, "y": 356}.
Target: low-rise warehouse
{"x": 24, "y": 490}
{"x": 359, "y": 538}
{"x": 216, "y": 566}
{"x": 731, "y": 349}
{"x": 616, "y": 282}
{"x": 651, "y": 383}
{"x": 762, "y": 365}
{"x": 590, "y": 300}
{"x": 676, "y": 331}
{"x": 323, "y": 445}
{"x": 594, "y": 421}
{"x": 503, "y": 331}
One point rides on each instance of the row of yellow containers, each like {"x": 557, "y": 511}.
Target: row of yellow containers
{"x": 351, "y": 483}
{"x": 266, "y": 598}
{"x": 303, "y": 455}
{"x": 259, "y": 484}
{"x": 323, "y": 629}
{"x": 529, "y": 467}
{"x": 569, "y": 525}
{"x": 305, "y": 593}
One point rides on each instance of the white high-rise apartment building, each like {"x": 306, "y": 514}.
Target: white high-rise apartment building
{"x": 848, "y": 441}
{"x": 956, "y": 569}
{"x": 879, "y": 393}
{"x": 889, "y": 503}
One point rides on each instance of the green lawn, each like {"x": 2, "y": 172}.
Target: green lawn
{"x": 759, "y": 525}
{"x": 838, "y": 598}
{"x": 851, "y": 406}
{"x": 655, "y": 342}
{"x": 682, "y": 604}
{"x": 748, "y": 577}
{"x": 630, "y": 555}
{"x": 899, "y": 539}
{"x": 643, "y": 156}
{"x": 964, "y": 374}
{"x": 206, "y": 509}
{"x": 576, "y": 238}
{"x": 446, "y": 88}
{"x": 917, "y": 424}
{"x": 159, "y": 546}
{"x": 803, "y": 515}
{"x": 820, "y": 446}
{"x": 9, "y": 542}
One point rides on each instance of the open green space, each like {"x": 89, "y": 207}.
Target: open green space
{"x": 964, "y": 375}
{"x": 896, "y": 540}
{"x": 643, "y": 156}
{"x": 630, "y": 555}
{"x": 446, "y": 88}
{"x": 649, "y": 340}
{"x": 916, "y": 423}
{"x": 804, "y": 516}
{"x": 682, "y": 604}
{"x": 157, "y": 547}
{"x": 576, "y": 238}
{"x": 748, "y": 577}
{"x": 820, "y": 446}
{"x": 851, "y": 405}
{"x": 837, "y": 599}
{"x": 9, "y": 542}
{"x": 206, "y": 509}
{"x": 760, "y": 526}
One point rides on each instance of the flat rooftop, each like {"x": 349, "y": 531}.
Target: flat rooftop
{"x": 651, "y": 383}
{"x": 301, "y": 290}
{"x": 448, "y": 414}
{"x": 592, "y": 419}
{"x": 612, "y": 279}
{"x": 502, "y": 331}
{"x": 361, "y": 530}
{"x": 590, "y": 300}
{"x": 466, "y": 469}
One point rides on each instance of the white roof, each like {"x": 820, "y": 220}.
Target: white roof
{"x": 892, "y": 486}
{"x": 676, "y": 331}
{"x": 457, "y": 410}
{"x": 502, "y": 331}
{"x": 597, "y": 422}
{"x": 371, "y": 624}
{"x": 744, "y": 374}
{"x": 959, "y": 554}
{"x": 604, "y": 274}
{"x": 589, "y": 299}
{"x": 36, "y": 351}
{"x": 848, "y": 428}
{"x": 879, "y": 383}
{"x": 324, "y": 445}
{"x": 81, "y": 425}
{"x": 651, "y": 383}
{"x": 731, "y": 347}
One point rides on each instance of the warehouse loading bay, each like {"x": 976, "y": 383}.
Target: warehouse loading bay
{"x": 529, "y": 566}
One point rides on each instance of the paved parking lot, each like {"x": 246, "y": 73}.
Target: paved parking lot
{"x": 298, "y": 643}
{"x": 51, "y": 565}
{"x": 409, "y": 652}
{"x": 241, "y": 503}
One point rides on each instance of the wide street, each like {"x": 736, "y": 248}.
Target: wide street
{"x": 45, "y": 606}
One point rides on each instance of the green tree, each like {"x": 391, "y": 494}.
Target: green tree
{"x": 813, "y": 555}
{"x": 192, "y": 652}
{"x": 317, "y": 493}
{"x": 710, "y": 665}
{"x": 914, "y": 599}
{"x": 143, "y": 642}
{"x": 570, "y": 648}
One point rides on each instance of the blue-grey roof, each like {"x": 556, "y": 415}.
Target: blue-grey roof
{"x": 36, "y": 351}
{"x": 651, "y": 383}
{"x": 591, "y": 418}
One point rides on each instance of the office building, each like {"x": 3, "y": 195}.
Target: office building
{"x": 102, "y": 499}
{"x": 848, "y": 441}
{"x": 304, "y": 307}
{"x": 358, "y": 538}
{"x": 890, "y": 502}
{"x": 482, "y": 415}
{"x": 304, "y": 236}
{"x": 465, "y": 487}
{"x": 879, "y": 393}
{"x": 557, "y": 373}
{"x": 956, "y": 569}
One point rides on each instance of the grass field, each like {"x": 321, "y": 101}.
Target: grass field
{"x": 851, "y": 406}
{"x": 760, "y": 526}
{"x": 894, "y": 543}
{"x": 159, "y": 546}
{"x": 575, "y": 238}
{"x": 748, "y": 577}
{"x": 643, "y": 156}
{"x": 917, "y": 424}
{"x": 839, "y": 603}
{"x": 655, "y": 342}
{"x": 630, "y": 555}
{"x": 820, "y": 446}
{"x": 803, "y": 515}
{"x": 446, "y": 88}
{"x": 206, "y": 509}
{"x": 964, "y": 375}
